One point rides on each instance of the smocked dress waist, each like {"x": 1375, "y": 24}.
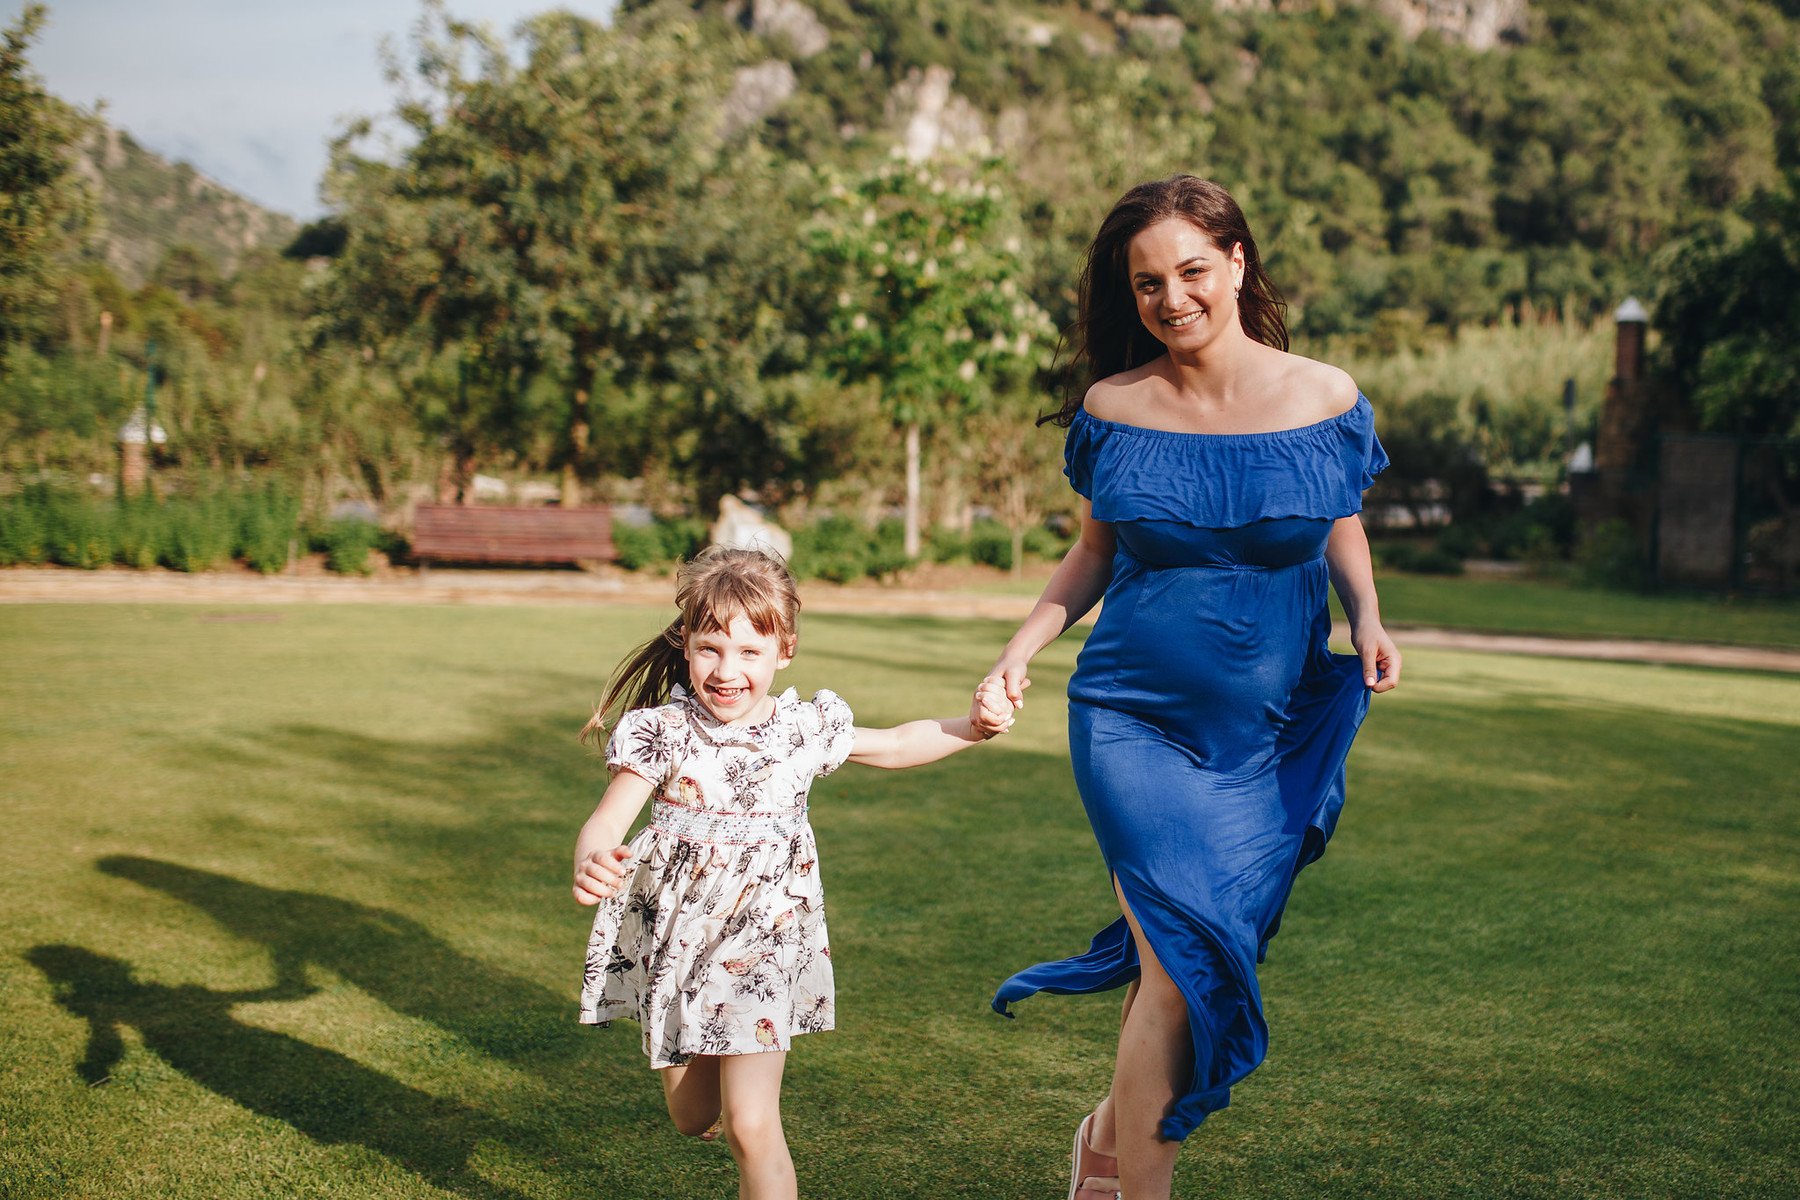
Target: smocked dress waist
{"x": 724, "y": 826}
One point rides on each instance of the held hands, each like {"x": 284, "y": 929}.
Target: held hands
{"x": 1380, "y": 657}
{"x": 991, "y": 712}
{"x": 601, "y": 875}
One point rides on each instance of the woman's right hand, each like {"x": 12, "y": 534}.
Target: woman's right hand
{"x": 990, "y": 713}
{"x": 1013, "y": 676}
{"x": 1010, "y": 676}
{"x": 601, "y": 875}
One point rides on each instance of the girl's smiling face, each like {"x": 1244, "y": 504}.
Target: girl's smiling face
{"x": 730, "y": 671}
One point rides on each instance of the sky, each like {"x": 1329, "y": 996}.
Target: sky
{"x": 248, "y": 91}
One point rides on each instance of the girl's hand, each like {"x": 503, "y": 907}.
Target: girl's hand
{"x": 1380, "y": 657}
{"x": 991, "y": 712}
{"x": 601, "y": 875}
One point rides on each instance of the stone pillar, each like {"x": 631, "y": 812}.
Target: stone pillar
{"x": 132, "y": 467}
{"x": 1632, "y": 323}
{"x": 1625, "y": 414}
{"x": 135, "y": 439}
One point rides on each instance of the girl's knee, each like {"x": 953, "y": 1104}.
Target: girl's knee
{"x": 691, "y": 1123}
{"x": 753, "y": 1133}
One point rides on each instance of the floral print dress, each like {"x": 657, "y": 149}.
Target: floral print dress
{"x": 716, "y": 944}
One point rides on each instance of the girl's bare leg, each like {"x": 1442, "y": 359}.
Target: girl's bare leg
{"x": 692, "y": 1094}
{"x": 750, "y": 1085}
{"x": 1156, "y": 1058}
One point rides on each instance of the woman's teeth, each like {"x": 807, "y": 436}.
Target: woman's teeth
{"x": 1187, "y": 318}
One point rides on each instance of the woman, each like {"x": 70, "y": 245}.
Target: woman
{"x": 1220, "y": 479}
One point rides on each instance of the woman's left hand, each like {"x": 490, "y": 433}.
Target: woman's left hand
{"x": 1380, "y": 657}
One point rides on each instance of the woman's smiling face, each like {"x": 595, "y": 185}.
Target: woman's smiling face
{"x": 730, "y": 670}
{"x": 1185, "y": 286}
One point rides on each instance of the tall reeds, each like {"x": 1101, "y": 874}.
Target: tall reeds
{"x": 1504, "y": 383}
{"x": 261, "y": 525}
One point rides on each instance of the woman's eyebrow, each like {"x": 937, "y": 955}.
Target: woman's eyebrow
{"x": 1186, "y": 262}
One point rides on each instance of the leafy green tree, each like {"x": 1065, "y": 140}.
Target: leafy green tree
{"x": 928, "y": 270}
{"x": 1019, "y": 464}
{"x": 1729, "y": 314}
{"x": 573, "y": 267}
{"x": 42, "y": 202}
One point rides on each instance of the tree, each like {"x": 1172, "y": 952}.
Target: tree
{"x": 928, "y": 273}
{"x": 570, "y": 245}
{"x": 1019, "y": 465}
{"x": 1729, "y": 314}
{"x": 43, "y": 204}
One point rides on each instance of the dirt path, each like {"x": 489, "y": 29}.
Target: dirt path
{"x": 53, "y": 585}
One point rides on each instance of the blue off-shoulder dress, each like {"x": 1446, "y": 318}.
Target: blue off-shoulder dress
{"x": 1208, "y": 720}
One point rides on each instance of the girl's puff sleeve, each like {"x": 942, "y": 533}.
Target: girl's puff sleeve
{"x": 835, "y": 733}
{"x": 644, "y": 742}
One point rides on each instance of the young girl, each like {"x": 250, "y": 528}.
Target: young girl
{"x": 711, "y": 924}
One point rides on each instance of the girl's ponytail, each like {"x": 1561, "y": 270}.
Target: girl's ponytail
{"x": 642, "y": 681}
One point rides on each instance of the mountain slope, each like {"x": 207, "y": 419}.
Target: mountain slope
{"x": 1431, "y": 160}
{"x": 147, "y": 205}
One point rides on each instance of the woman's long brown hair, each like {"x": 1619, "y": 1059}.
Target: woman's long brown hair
{"x": 1108, "y": 337}
{"x": 712, "y": 588}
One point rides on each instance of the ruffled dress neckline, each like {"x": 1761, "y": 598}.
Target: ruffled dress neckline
{"x": 720, "y": 734}
{"x": 1316, "y": 427}
{"x": 1224, "y": 480}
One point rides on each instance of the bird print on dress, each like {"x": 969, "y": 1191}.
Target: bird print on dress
{"x": 813, "y": 1014}
{"x": 720, "y": 946}
{"x": 745, "y": 776}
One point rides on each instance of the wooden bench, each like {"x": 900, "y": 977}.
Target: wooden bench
{"x": 491, "y": 533}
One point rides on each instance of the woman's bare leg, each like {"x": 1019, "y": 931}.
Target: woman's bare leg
{"x": 692, "y": 1093}
{"x": 1156, "y": 1059}
{"x": 1101, "y": 1134}
{"x": 750, "y": 1085}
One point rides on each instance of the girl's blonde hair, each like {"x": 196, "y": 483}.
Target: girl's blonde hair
{"x": 715, "y": 586}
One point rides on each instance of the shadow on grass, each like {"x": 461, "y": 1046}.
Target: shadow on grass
{"x": 323, "y": 1094}
{"x": 391, "y": 957}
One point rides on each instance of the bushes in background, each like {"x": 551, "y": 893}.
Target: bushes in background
{"x": 1610, "y": 555}
{"x": 837, "y": 549}
{"x": 1416, "y": 559}
{"x": 261, "y": 525}
{"x": 1542, "y": 533}
{"x": 991, "y": 544}
{"x": 266, "y": 527}
{"x": 662, "y": 541}
{"x": 346, "y": 543}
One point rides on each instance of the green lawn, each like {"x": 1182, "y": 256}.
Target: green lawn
{"x": 286, "y": 914}
{"x": 1560, "y": 610}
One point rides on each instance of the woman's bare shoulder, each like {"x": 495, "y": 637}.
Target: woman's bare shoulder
{"x": 1116, "y": 397}
{"x": 1323, "y": 390}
